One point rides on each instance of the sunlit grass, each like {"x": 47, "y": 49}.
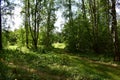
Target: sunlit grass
{"x": 59, "y": 45}
{"x": 54, "y": 66}
{"x": 12, "y": 46}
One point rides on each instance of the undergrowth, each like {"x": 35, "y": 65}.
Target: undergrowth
{"x": 21, "y": 65}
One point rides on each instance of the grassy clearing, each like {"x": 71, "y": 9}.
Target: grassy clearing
{"x": 21, "y": 65}
{"x": 59, "y": 45}
{"x": 12, "y": 47}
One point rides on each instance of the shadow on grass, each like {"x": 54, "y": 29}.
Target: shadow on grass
{"x": 26, "y": 65}
{"x": 98, "y": 71}
{"x": 52, "y": 66}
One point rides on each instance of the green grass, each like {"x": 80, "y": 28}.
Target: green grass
{"x": 12, "y": 47}
{"x": 59, "y": 45}
{"x": 24, "y": 65}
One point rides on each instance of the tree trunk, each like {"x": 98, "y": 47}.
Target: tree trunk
{"x": 94, "y": 22}
{"x": 26, "y": 24}
{"x": 34, "y": 27}
{"x": 48, "y": 43}
{"x": 115, "y": 32}
{"x": 83, "y": 9}
{"x": 0, "y": 28}
{"x": 72, "y": 46}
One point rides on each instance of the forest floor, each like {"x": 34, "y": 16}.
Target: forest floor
{"x": 54, "y": 65}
